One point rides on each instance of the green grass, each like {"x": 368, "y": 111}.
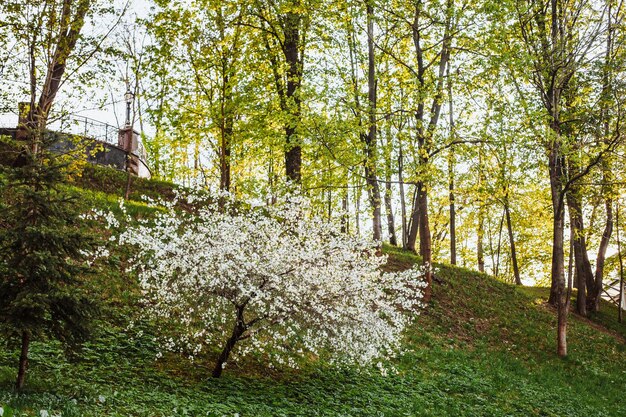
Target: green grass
{"x": 483, "y": 348}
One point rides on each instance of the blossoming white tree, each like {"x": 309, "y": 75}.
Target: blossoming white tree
{"x": 287, "y": 284}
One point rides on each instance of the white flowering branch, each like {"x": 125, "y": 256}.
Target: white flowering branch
{"x": 288, "y": 284}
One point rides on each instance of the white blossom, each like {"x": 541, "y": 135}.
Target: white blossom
{"x": 296, "y": 286}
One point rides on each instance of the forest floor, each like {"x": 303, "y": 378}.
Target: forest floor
{"x": 482, "y": 348}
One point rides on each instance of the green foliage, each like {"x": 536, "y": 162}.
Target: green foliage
{"x": 469, "y": 358}
{"x": 43, "y": 249}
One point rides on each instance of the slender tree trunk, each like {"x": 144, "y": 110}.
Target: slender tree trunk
{"x": 497, "y": 268}
{"x": 480, "y": 253}
{"x": 402, "y": 197}
{"x": 452, "y": 208}
{"x": 345, "y": 227}
{"x": 557, "y": 171}
{"x": 425, "y": 238}
{"x": 621, "y": 265}
{"x": 373, "y": 187}
{"x": 593, "y": 302}
{"x": 509, "y": 226}
{"x": 451, "y": 163}
{"x": 414, "y": 223}
{"x": 238, "y": 330}
{"x": 391, "y": 224}
{"x": 23, "y": 364}
{"x": 584, "y": 273}
{"x": 564, "y": 303}
{"x": 292, "y": 44}
{"x": 226, "y": 128}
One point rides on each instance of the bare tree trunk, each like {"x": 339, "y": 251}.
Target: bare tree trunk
{"x": 402, "y": 197}
{"x": 391, "y": 224}
{"x": 237, "y": 332}
{"x": 291, "y": 49}
{"x": 373, "y": 187}
{"x": 480, "y": 254}
{"x": 452, "y": 208}
{"x": 509, "y": 226}
{"x": 593, "y": 301}
{"x": 584, "y": 274}
{"x": 564, "y": 303}
{"x": 345, "y": 227}
{"x": 621, "y": 265}
{"x": 414, "y": 223}
{"x": 23, "y": 364}
{"x": 497, "y": 268}
{"x": 557, "y": 175}
{"x": 425, "y": 238}
{"x": 451, "y": 163}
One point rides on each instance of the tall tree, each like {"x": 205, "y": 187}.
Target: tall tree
{"x": 285, "y": 25}
{"x": 42, "y": 252}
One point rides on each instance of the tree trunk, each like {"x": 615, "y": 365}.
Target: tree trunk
{"x": 556, "y": 168}
{"x": 414, "y": 223}
{"x": 23, "y": 364}
{"x": 452, "y": 208}
{"x": 593, "y": 300}
{"x": 391, "y": 226}
{"x": 226, "y": 128}
{"x": 345, "y": 228}
{"x": 291, "y": 50}
{"x": 621, "y": 266}
{"x": 373, "y": 187}
{"x": 480, "y": 253}
{"x": 564, "y": 303}
{"x": 402, "y": 197}
{"x": 584, "y": 274}
{"x": 451, "y": 163}
{"x": 498, "y": 251}
{"x": 507, "y": 212}
{"x": 425, "y": 238}
{"x": 238, "y": 330}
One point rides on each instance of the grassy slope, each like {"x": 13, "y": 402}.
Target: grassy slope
{"x": 483, "y": 348}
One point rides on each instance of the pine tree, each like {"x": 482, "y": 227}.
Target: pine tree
{"x": 42, "y": 255}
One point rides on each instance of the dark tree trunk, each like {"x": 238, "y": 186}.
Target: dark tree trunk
{"x": 391, "y": 226}
{"x": 451, "y": 163}
{"x": 509, "y": 226}
{"x": 23, "y": 364}
{"x": 593, "y": 301}
{"x": 452, "y": 209}
{"x": 238, "y": 329}
{"x": 414, "y": 223}
{"x": 556, "y": 168}
{"x": 292, "y": 102}
{"x": 621, "y": 266}
{"x": 425, "y": 238}
{"x": 480, "y": 253}
{"x": 373, "y": 186}
{"x": 226, "y": 128}
{"x": 345, "y": 225}
{"x": 405, "y": 232}
{"x": 583, "y": 274}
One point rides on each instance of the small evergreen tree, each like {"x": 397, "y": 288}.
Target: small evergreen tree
{"x": 42, "y": 255}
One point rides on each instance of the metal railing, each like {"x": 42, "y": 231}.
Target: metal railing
{"x": 86, "y": 127}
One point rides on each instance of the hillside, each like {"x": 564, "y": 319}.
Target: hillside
{"x": 483, "y": 348}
